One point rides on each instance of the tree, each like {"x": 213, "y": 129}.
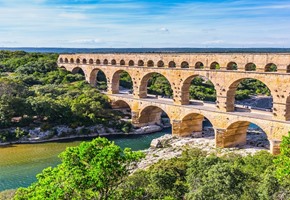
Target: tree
{"x": 92, "y": 170}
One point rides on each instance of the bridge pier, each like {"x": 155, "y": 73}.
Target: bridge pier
{"x": 275, "y": 147}
{"x": 187, "y": 127}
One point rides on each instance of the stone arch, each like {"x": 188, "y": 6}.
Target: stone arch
{"x": 121, "y": 104}
{"x": 150, "y": 115}
{"x": 122, "y": 62}
{"x": 78, "y": 70}
{"x": 192, "y": 124}
{"x": 116, "y": 80}
{"x": 184, "y": 64}
{"x": 113, "y": 62}
{"x": 215, "y": 65}
{"x": 250, "y": 67}
{"x": 185, "y": 96}
{"x": 72, "y": 60}
{"x": 150, "y": 63}
{"x": 232, "y": 66}
{"x": 231, "y": 92}
{"x": 61, "y": 60}
{"x": 66, "y": 60}
{"x": 160, "y": 63}
{"x": 172, "y": 64}
{"x": 131, "y": 63}
{"x": 98, "y": 61}
{"x": 105, "y": 62}
{"x": 199, "y": 65}
{"x": 78, "y": 61}
{"x": 236, "y": 133}
{"x": 94, "y": 75}
{"x": 271, "y": 67}
{"x": 62, "y": 67}
{"x": 140, "y": 63}
{"x": 144, "y": 83}
{"x": 91, "y": 61}
{"x": 84, "y": 61}
{"x": 288, "y": 69}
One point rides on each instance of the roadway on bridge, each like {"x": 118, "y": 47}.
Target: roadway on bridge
{"x": 199, "y": 105}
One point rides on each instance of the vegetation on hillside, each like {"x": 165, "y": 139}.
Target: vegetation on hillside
{"x": 99, "y": 170}
{"x": 34, "y": 91}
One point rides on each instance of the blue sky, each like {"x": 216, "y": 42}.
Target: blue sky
{"x": 145, "y": 23}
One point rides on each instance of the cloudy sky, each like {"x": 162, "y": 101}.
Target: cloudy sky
{"x": 145, "y": 23}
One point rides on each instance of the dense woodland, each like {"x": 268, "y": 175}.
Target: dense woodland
{"x": 35, "y": 92}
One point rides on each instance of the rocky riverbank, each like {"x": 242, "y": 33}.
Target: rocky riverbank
{"x": 57, "y": 133}
{"x": 168, "y": 146}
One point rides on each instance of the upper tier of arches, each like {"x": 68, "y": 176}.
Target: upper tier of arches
{"x": 249, "y": 65}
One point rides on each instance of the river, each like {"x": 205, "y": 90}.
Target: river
{"x": 20, "y": 163}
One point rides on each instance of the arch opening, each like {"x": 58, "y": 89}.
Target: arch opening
{"x": 140, "y": 63}
{"x": 153, "y": 115}
{"x": 245, "y": 134}
{"x": 122, "y": 62}
{"x": 215, "y": 66}
{"x": 91, "y": 61}
{"x": 78, "y": 70}
{"x": 172, "y": 64}
{"x": 249, "y": 95}
{"x": 232, "y": 66}
{"x": 271, "y": 67}
{"x": 131, "y": 63}
{"x": 198, "y": 88}
{"x": 184, "y": 64}
{"x": 61, "y": 60}
{"x": 66, "y": 60}
{"x": 156, "y": 85}
{"x": 78, "y": 61}
{"x": 199, "y": 65}
{"x": 124, "y": 108}
{"x": 122, "y": 82}
{"x": 98, "y": 79}
{"x": 160, "y": 63}
{"x": 150, "y": 63}
{"x": 288, "y": 69}
{"x": 250, "y": 67}
{"x": 196, "y": 125}
{"x": 113, "y": 62}
{"x": 71, "y": 60}
{"x": 84, "y": 61}
{"x": 98, "y": 61}
{"x": 105, "y": 62}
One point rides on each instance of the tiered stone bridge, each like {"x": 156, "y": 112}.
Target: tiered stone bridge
{"x": 224, "y": 70}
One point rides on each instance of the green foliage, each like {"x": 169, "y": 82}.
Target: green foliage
{"x": 90, "y": 171}
{"x": 283, "y": 161}
{"x": 159, "y": 85}
{"x": 35, "y": 88}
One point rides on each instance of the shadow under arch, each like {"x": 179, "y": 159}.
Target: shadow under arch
{"x": 240, "y": 133}
{"x": 193, "y": 124}
{"x": 150, "y": 79}
{"x": 78, "y": 70}
{"x": 203, "y": 83}
{"x": 151, "y": 115}
{"x": 122, "y": 81}
{"x": 98, "y": 79}
{"x": 232, "y": 92}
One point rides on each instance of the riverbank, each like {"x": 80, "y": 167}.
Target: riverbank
{"x": 63, "y": 133}
{"x": 169, "y": 146}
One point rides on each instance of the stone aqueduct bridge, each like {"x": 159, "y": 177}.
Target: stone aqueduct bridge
{"x": 224, "y": 70}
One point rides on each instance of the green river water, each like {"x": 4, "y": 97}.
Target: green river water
{"x": 20, "y": 163}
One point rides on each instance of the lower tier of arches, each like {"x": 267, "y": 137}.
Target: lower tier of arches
{"x": 230, "y": 129}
